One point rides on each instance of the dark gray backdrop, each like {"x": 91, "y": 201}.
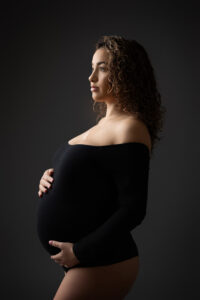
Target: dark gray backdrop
{"x": 46, "y": 100}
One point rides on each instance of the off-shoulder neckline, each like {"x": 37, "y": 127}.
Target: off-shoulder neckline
{"x": 111, "y": 145}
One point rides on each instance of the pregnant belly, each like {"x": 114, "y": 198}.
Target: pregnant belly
{"x": 67, "y": 219}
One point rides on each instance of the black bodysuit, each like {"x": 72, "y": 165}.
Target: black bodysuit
{"x": 99, "y": 194}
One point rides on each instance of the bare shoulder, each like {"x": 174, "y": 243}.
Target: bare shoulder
{"x": 132, "y": 130}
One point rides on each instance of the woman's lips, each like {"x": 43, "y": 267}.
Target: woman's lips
{"x": 93, "y": 89}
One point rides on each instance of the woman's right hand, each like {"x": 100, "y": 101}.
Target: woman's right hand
{"x": 45, "y": 181}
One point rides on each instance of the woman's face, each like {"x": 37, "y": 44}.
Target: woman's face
{"x": 99, "y": 76}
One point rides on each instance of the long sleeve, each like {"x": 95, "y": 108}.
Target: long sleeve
{"x": 129, "y": 169}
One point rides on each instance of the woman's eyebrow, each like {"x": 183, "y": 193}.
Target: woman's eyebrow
{"x": 100, "y": 62}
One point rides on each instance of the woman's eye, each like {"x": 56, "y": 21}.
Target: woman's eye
{"x": 101, "y": 68}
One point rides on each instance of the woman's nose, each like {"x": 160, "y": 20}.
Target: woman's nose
{"x": 92, "y": 77}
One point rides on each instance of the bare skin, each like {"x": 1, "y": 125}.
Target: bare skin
{"x": 111, "y": 281}
{"x": 104, "y": 282}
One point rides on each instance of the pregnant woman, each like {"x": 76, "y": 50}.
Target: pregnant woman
{"x": 96, "y": 192}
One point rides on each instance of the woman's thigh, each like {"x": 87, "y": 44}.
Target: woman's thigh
{"x": 102, "y": 282}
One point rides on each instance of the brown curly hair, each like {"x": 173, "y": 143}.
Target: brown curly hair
{"x": 132, "y": 81}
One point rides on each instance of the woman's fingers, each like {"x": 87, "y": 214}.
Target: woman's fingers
{"x": 42, "y": 188}
{"x": 50, "y": 171}
{"x": 45, "y": 181}
{"x": 47, "y": 177}
{"x": 40, "y": 193}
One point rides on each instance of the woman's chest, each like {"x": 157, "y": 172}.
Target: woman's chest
{"x": 97, "y": 135}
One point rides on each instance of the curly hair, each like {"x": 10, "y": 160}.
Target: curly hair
{"x": 132, "y": 81}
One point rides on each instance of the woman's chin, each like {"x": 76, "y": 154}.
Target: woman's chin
{"x": 98, "y": 98}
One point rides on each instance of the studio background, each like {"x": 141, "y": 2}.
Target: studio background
{"x": 47, "y": 49}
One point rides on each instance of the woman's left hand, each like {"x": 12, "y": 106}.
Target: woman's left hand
{"x": 66, "y": 256}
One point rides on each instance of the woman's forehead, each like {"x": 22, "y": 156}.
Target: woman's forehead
{"x": 100, "y": 55}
